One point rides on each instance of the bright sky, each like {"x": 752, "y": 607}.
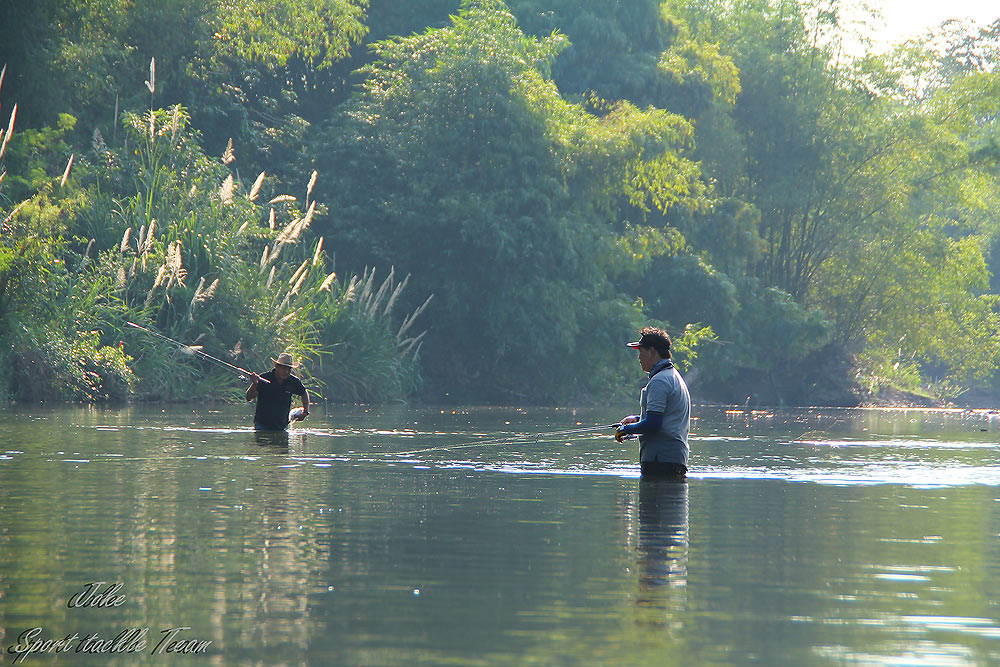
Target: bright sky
{"x": 909, "y": 18}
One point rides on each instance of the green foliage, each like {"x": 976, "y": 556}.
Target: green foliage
{"x": 556, "y": 173}
{"x": 633, "y": 51}
{"x": 45, "y": 364}
{"x": 273, "y": 31}
{"x": 511, "y": 236}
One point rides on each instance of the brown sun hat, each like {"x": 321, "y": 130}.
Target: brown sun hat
{"x": 285, "y": 359}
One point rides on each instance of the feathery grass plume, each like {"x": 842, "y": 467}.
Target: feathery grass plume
{"x": 201, "y": 294}
{"x": 148, "y": 244}
{"x": 228, "y": 155}
{"x": 125, "y": 238}
{"x": 160, "y": 275}
{"x": 290, "y": 234}
{"x": 226, "y": 190}
{"x": 270, "y": 278}
{"x": 407, "y": 345}
{"x": 151, "y": 83}
{"x": 329, "y": 281}
{"x": 69, "y": 165}
{"x": 383, "y": 288}
{"x": 298, "y": 272}
{"x": 395, "y": 295}
{"x": 196, "y": 298}
{"x": 351, "y": 292}
{"x": 210, "y": 292}
{"x": 255, "y": 190}
{"x": 281, "y": 198}
{"x": 312, "y": 182}
{"x": 270, "y": 220}
{"x": 175, "y": 122}
{"x": 319, "y": 248}
{"x": 243, "y": 228}
{"x": 131, "y": 272}
{"x": 192, "y": 191}
{"x": 120, "y": 278}
{"x": 98, "y": 142}
{"x": 140, "y": 238}
{"x": 411, "y": 318}
{"x": 298, "y": 283}
{"x": 10, "y": 129}
{"x": 263, "y": 258}
{"x": 86, "y": 253}
{"x": 177, "y": 271}
{"x": 367, "y": 281}
{"x": 307, "y": 218}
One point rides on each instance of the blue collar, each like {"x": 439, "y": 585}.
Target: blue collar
{"x": 661, "y": 365}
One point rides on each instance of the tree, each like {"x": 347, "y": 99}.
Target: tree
{"x": 461, "y": 164}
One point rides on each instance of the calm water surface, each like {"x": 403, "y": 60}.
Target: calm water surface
{"x": 404, "y": 536}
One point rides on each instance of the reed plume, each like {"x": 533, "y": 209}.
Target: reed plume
{"x": 10, "y": 129}
{"x": 312, "y": 182}
{"x": 256, "y": 187}
{"x": 228, "y": 155}
{"x": 226, "y": 190}
{"x": 69, "y": 165}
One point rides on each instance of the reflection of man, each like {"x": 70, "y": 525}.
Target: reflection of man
{"x": 274, "y": 397}
{"x": 664, "y": 417}
{"x": 662, "y": 545}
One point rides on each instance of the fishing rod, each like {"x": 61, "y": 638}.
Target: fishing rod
{"x": 188, "y": 349}
{"x": 533, "y": 437}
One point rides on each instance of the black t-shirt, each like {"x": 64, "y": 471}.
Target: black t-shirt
{"x": 274, "y": 401}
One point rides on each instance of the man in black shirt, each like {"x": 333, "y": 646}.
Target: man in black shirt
{"x": 274, "y": 397}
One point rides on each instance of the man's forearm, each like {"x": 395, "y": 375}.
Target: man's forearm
{"x": 649, "y": 424}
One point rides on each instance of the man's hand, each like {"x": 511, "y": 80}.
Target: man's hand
{"x": 254, "y": 384}
{"x": 621, "y": 434}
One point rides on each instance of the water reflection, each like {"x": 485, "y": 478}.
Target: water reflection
{"x": 870, "y": 541}
{"x": 662, "y": 553}
{"x": 281, "y": 442}
{"x": 276, "y": 441}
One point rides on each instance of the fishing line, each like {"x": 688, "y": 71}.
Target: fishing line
{"x": 520, "y": 439}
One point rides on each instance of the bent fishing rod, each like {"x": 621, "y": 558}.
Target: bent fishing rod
{"x": 188, "y": 349}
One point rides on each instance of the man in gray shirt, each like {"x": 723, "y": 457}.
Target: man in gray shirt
{"x": 664, "y": 417}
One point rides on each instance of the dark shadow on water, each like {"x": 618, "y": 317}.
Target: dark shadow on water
{"x": 281, "y": 442}
{"x": 276, "y": 441}
{"x": 662, "y": 545}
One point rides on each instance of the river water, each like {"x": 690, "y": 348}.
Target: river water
{"x": 402, "y": 536}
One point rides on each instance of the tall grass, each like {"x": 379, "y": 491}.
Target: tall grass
{"x": 205, "y": 263}
{"x": 156, "y": 231}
